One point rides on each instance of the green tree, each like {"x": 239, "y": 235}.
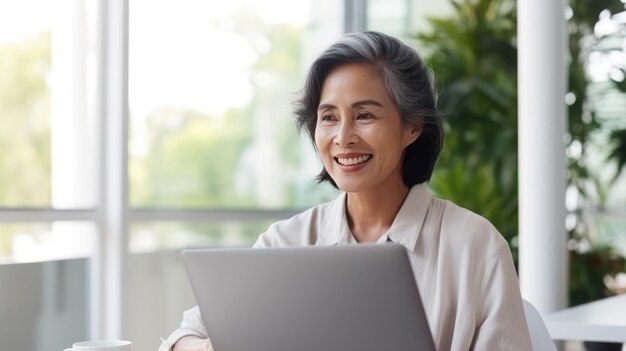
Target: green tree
{"x": 25, "y": 117}
{"x": 192, "y": 159}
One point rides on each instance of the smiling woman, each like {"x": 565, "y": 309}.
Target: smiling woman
{"x": 407, "y": 91}
{"x": 369, "y": 107}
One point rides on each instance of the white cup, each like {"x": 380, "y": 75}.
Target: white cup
{"x": 101, "y": 345}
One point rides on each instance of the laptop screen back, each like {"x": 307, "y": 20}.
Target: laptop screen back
{"x": 351, "y": 297}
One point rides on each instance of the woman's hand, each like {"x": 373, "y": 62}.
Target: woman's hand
{"x": 193, "y": 343}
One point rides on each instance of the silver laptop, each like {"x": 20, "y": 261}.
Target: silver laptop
{"x": 350, "y": 297}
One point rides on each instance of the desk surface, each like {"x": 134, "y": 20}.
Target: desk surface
{"x": 602, "y": 320}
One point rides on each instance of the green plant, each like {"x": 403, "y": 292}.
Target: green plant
{"x": 474, "y": 57}
{"x": 589, "y": 263}
{"x": 475, "y": 62}
{"x": 590, "y": 268}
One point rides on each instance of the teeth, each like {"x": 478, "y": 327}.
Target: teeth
{"x": 353, "y": 160}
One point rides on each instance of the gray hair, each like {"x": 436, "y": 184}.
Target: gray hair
{"x": 408, "y": 82}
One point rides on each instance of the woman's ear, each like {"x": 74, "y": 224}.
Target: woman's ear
{"x": 411, "y": 134}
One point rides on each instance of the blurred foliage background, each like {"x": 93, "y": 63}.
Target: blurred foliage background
{"x": 473, "y": 55}
{"x": 25, "y": 132}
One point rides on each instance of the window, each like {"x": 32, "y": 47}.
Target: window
{"x": 136, "y": 129}
{"x": 47, "y": 172}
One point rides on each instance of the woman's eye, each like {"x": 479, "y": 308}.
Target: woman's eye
{"x": 327, "y": 118}
{"x": 364, "y": 115}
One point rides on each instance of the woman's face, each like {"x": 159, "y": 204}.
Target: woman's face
{"x": 359, "y": 134}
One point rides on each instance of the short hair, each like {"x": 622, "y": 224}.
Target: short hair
{"x": 408, "y": 81}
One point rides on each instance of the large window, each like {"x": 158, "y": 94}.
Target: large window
{"x": 134, "y": 129}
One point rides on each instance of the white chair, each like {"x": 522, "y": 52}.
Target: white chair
{"x": 539, "y": 335}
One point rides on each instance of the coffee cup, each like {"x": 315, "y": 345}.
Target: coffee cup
{"x": 101, "y": 345}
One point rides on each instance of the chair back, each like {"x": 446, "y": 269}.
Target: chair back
{"x": 539, "y": 334}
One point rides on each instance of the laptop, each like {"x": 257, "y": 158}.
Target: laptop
{"x": 350, "y": 297}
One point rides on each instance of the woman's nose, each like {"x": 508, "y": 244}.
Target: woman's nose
{"x": 346, "y": 133}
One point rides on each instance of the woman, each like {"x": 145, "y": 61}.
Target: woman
{"x": 369, "y": 107}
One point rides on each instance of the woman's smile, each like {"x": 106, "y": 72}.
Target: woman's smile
{"x": 352, "y": 160}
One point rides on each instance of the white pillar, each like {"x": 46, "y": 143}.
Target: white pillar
{"x": 109, "y": 261}
{"x": 541, "y": 124}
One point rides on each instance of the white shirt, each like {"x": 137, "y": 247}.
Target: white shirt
{"x": 462, "y": 265}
